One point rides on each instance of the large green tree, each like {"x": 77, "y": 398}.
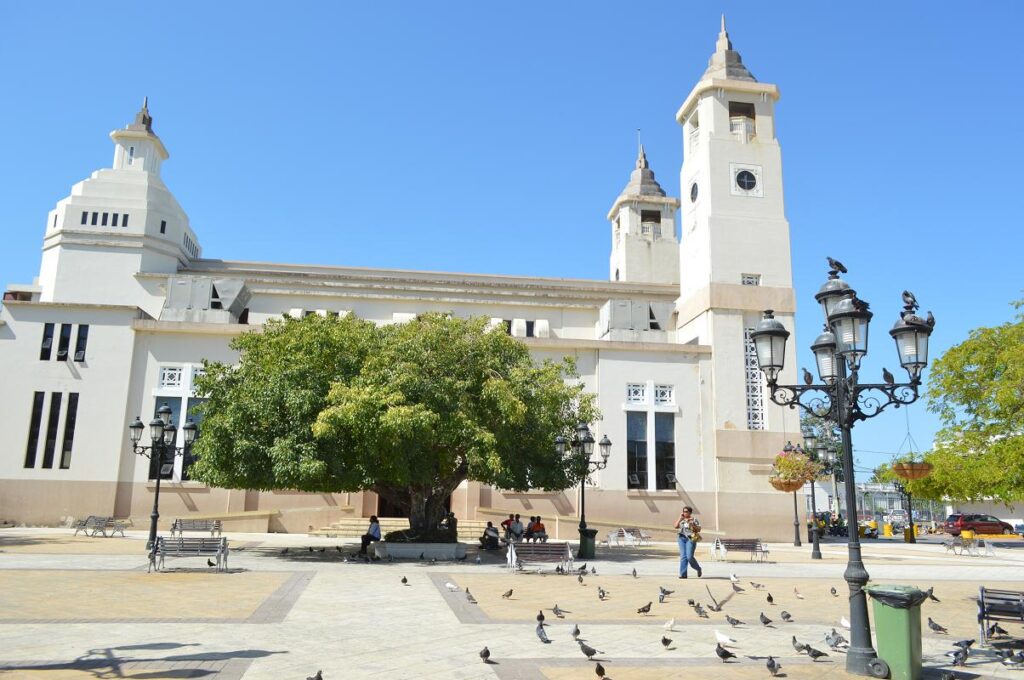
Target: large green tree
{"x": 408, "y": 411}
{"x": 977, "y": 388}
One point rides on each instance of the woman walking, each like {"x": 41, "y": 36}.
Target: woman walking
{"x": 689, "y": 533}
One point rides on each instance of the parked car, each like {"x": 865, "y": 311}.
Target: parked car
{"x": 1019, "y": 528}
{"x": 982, "y": 524}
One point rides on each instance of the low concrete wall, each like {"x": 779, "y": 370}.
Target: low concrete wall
{"x": 413, "y": 551}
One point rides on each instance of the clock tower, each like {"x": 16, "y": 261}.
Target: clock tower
{"x": 734, "y": 259}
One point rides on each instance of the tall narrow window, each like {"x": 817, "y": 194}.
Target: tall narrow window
{"x": 636, "y": 449}
{"x": 69, "y": 431}
{"x": 196, "y": 417}
{"x": 95, "y": 216}
{"x": 131, "y": 155}
{"x": 33, "y": 429}
{"x": 47, "y": 345}
{"x": 51, "y": 429}
{"x": 113, "y": 219}
{"x": 664, "y": 450}
{"x": 54, "y": 226}
{"x": 163, "y": 226}
{"x": 85, "y": 216}
{"x": 529, "y": 328}
{"x": 81, "y": 341}
{"x": 103, "y": 220}
{"x": 124, "y": 222}
{"x": 64, "y": 343}
{"x": 755, "y": 393}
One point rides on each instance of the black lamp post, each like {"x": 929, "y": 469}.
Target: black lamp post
{"x": 908, "y": 505}
{"x": 841, "y": 398}
{"x": 789, "y": 448}
{"x": 162, "y": 435}
{"x": 581, "y": 448}
{"x": 811, "y": 442}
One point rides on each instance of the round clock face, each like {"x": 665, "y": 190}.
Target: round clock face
{"x": 745, "y": 180}
{"x": 693, "y": 193}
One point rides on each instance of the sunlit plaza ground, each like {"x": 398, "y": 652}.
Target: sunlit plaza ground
{"x": 78, "y": 607}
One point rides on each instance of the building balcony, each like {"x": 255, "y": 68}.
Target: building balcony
{"x": 742, "y": 128}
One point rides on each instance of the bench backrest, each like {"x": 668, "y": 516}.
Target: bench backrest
{"x": 740, "y": 543}
{"x": 552, "y": 549}
{"x": 197, "y": 524}
{"x": 190, "y": 544}
{"x": 97, "y": 521}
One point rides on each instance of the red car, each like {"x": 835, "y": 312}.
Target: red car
{"x": 982, "y": 524}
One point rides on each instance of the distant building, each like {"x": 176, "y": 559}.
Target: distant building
{"x": 126, "y": 307}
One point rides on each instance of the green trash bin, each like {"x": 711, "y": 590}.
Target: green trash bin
{"x": 587, "y": 541}
{"x": 898, "y": 628}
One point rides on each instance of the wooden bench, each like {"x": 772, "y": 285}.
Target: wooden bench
{"x": 520, "y": 553}
{"x": 96, "y": 524}
{"x": 999, "y": 605}
{"x": 723, "y": 546}
{"x": 181, "y": 525}
{"x": 189, "y": 547}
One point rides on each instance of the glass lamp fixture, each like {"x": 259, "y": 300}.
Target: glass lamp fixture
{"x": 824, "y": 348}
{"x": 849, "y": 322}
{"x": 911, "y": 334}
{"x": 770, "y": 344}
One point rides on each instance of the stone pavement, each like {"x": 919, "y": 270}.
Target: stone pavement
{"x": 78, "y": 607}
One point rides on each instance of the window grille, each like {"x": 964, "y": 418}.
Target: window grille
{"x": 664, "y": 395}
{"x": 170, "y": 377}
{"x": 750, "y": 279}
{"x": 755, "y": 391}
{"x": 636, "y": 393}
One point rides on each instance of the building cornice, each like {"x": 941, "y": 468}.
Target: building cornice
{"x": 638, "y": 198}
{"x": 734, "y": 297}
{"x": 29, "y": 304}
{"x": 703, "y": 86}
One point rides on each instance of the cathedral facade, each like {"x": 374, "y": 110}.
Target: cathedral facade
{"x": 126, "y": 308}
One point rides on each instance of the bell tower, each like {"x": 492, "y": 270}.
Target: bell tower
{"x": 643, "y": 220}
{"x": 734, "y": 260}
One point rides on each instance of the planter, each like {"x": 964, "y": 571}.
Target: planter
{"x": 786, "y": 485}
{"x": 412, "y": 551}
{"x": 912, "y": 470}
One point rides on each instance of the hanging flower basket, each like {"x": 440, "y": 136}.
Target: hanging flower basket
{"x": 787, "y": 485}
{"x": 912, "y": 470}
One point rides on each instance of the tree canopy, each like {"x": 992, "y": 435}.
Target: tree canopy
{"x": 408, "y": 411}
{"x": 977, "y": 389}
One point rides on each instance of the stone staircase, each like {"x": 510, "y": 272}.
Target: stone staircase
{"x": 354, "y": 527}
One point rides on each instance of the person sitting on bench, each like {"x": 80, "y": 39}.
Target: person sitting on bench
{"x": 372, "y": 534}
{"x": 539, "y": 532}
{"x": 489, "y": 541}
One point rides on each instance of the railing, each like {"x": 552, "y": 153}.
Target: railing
{"x": 742, "y": 128}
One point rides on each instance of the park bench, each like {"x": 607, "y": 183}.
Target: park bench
{"x": 189, "y": 547}
{"x": 628, "y": 537}
{"x": 181, "y": 525}
{"x": 640, "y": 537}
{"x": 975, "y": 547}
{"x": 721, "y": 548}
{"x": 95, "y": 524}
{"x": 999, "y": 605}
{"x": 521, "y": 553}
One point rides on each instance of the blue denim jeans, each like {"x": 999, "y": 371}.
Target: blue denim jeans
{"x": 686, "y": 549}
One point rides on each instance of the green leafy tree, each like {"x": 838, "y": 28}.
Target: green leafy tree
{"x": 408, "y": 411}
{"x": 977, "y": 388}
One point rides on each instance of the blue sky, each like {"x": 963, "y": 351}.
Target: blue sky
{"x": 487, "y": 137}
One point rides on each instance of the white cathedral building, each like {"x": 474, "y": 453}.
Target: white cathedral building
{"x": 126, "y": 308}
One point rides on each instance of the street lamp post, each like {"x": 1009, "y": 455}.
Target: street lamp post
{"x": 811, "y": 442}
{"x": 842, "y": 399}
{"x": 162, "y": 435}
{"x": 788, "y": 448}
{"x": 905, "y": 497}
{"x": 581, "y": 448}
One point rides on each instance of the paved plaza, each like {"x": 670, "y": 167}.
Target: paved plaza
{"x": 78, "y": 607}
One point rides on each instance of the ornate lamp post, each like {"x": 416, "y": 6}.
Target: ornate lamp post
{"x": 908, "y": 505}
{"x": 841, "y": 398}
{"x": 162, "y": 435}
{"x": 811, "y": 442}
{"x": 794, "y": 487}
{"x": 580, "y": 449}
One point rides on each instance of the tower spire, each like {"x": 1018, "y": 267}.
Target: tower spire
{"x": 143, "y": 121}
{"x": 726, "y": 62}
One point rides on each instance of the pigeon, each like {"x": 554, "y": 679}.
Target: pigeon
{"x": 734, "y": 622}
{"x": 478, "y": 559}
{"x": 601, "y": 593}
{"x": 959, "y": 656}
{"x": 405, "y": 581}
{"x": 734, "y": 578}
{"x": 485, "y": 654}
{"x": 834, "y": 640}
{"x": 814, "y": 653}
{"x": 723, "y": 653}
{"x": 541, "y": 635}
{"x": 1011, "y": 660}
{"x": 836, "y": 266}
{"x": 770, "y": 599}
{"x": 319, "y": 676}
{"x": 995, "y": 630}
{"x": 786, "y": 616}
{"x": 310, "y": 548}
{"x": 661, "y": 598}
{"x": 723, "y": 639}
{"x": 469, "y": 597}
{"x": 949, "y": 675}
{"x": 690, "y": 602}
{"x": 587, "y": 650}
{"x": 599, "y": 669}
{"x": 634, "y": 573}
{"x": 507, "y": 594}
{"x": 646, "y": 609}
{"x": 285, "y": 551}
{"x": 338, "y": 548}
{"x": 910, "y": 301}
{"x": 665, "y": 591}
{"x": 558, "y": 569}
{"x": 936, "y": 627}
{"x": 210, "y": 563}
{"x": 580, "y": 579}
{"x": 451, "y": 587}
{"x": 765, "y": 620}
{"x": 423, "y": 556}
{"x": 757, "y": 586}
{"x": 887, "y": 376}
{"x": 736, "y": 588}
{"x": 714, "y": 606}
{"x": 844, "y": 622}
{"x": 808, "y": 377}
{"x": 575, "y": 632}
{"x": 540, "y": 618}
{"x": 700, "y": 611}
{"x": 930, "y": 320}
{"x": 322, "y": 550}
{"x": 593, "y": 571}
{"x": 558, "y": 612}
{"x": 583, "y": 569}
{"x": 799, "y": 646}
{"x": 931, "y": 595}
{"x": 834, "y": 592}
{"x": 964, "y": 644}
{"x": 670, "y": 624}
{"x": 797, "y": 593}
{"x": 773, "y": 666}
{"x": 665, "y": 642}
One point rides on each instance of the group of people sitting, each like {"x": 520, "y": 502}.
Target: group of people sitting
{"x": 514, "y": 531}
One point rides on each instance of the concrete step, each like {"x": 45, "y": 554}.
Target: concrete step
{"x": 354, "y": 527}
